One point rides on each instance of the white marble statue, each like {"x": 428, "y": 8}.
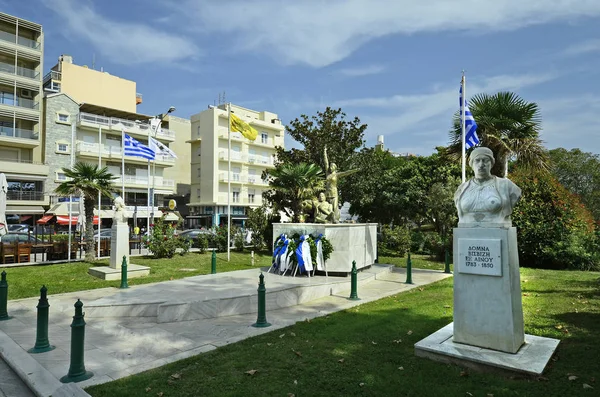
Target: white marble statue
{"x": 120, "y": 215}
{"x": 485, "y": 200}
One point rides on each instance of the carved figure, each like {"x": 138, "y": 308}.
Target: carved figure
{"x": 485, "y": 200}
{"x": 120, "y": 213}
{"x": 331, "y": 190}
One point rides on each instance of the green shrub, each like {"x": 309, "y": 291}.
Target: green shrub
{"x": 163, "y": 243}
{"x": 395, "y": 240}
{"x": 239, "y": 240}
{"x": 555, "y": 230}
{"x": 201, "y": 243}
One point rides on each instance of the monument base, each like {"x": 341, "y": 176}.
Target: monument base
{"x": 530, "y": 360}
{"x": 109, "y": 273}
{"x": 119, "y": 245}
{"x": 350, "y": 241}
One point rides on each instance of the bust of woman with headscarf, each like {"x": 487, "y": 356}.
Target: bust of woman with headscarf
{"x": 485, "y": 200}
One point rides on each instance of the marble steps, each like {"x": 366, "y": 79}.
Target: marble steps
{"x": 227, "y": 294}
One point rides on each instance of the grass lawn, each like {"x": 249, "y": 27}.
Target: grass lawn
{"x": 418, "y": 261}
{"x": 368, "y": 351}
{"x": 26, "y": 281}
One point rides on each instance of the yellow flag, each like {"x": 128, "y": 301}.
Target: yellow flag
{"x": 244, "y": 128}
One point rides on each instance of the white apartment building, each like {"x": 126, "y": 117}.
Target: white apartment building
{"x": 210, "y": 164}
{"x": 21, "y": 141}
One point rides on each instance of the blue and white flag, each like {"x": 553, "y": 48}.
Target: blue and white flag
{"x": 471, "y": 138}
{"x": 132, "y": 147}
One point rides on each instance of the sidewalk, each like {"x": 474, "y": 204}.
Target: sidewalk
{"x": 147, "y": 326}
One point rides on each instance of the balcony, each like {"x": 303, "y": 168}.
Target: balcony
{"x": 19, "y": 70}
{"x": 25, "y": 195}
{"x": 117, "y": 124}
{"x": 112, "y": 152}
{"x": 52, "y": 75}
{"x": 24, "y": 167}
{"x": 240, "y": 200}
{"x": 235, "y": 177}
{"x": 20, "y": 133}
{"x": 22, "y": 41}
{"x": 133, "y": 180}
{"x": 256, "y": 180}
{"x": 235, "y": 157}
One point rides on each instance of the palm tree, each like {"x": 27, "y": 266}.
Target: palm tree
{"x": 87, "y": 180}
{"x": 508, "y": 125}
{"x": 293, "y": 183}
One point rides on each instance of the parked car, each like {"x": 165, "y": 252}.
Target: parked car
{"x": 105, "y": 234}
{"x": 192, "y": 234}
{"x": 22, "y": 238}
{"x": 18, "y": 228}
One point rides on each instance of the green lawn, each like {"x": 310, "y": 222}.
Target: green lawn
{"x": 368, "y": 351}
{"x": 418, "y": 261}
{"x": 26, "y": 281}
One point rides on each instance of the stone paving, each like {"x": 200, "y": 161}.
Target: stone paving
{"x": 122, "y": 345}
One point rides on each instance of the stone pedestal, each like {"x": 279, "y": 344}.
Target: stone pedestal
{"x": 488, "y": 311}
{"x": 119, "y": 245}
{"x": 351, "y": 242}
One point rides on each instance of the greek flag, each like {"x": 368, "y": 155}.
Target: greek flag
{"x": 471, "y": 138}
{"x": 132, "y": 147}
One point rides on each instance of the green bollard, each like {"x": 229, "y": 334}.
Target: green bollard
{"x": 447, "y": 262}
{"x": 261, "y": 320}
{"x": 408, "y": 270}
{"x": 3, "y": 297}
{"x": 213, "y": 263}
{"x": 77, "y": 372}
{"x": 42, "y": 344}
{"x": 354, "y": 283}
{"x": 124, "y": 273}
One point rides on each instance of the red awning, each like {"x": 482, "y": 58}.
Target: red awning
{"x": 64, "y": 220}
{"x": 24, "y": 218}
{"x": 45, "y": 219}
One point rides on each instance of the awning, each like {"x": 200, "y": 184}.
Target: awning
{"x": 24, "y": 209}
{"x": 64, "y": 220}
{"x": 171, "y": 217}
{"x": 24, "y": 218}
{"x": 45, "y": 219}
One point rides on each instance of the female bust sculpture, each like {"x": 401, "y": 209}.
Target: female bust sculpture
{"x": 485, "y": 200}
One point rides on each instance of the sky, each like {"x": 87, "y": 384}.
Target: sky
{"x": 395, "y": 64}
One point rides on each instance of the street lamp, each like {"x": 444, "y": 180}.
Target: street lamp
{"x": 160, "y": 119}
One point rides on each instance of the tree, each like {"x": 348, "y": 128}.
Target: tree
{"x": 87, "y": 180}
{"x": 508, "y": 125}
{"x": 580, "y": 173}
{"x": 258, "y": 224}
{"x": 291, "y": 184}
{"x": 555, "y": 229}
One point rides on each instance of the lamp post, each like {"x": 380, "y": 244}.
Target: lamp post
{"x": 160, "y": 119}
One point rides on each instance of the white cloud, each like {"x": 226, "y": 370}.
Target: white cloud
{"x": 418, "y": 122}
{"x": 362, "y": 71}
{"x": 123, "y": 42}
{"x": 584, "y": 47}
{"x": 320, "y": 33}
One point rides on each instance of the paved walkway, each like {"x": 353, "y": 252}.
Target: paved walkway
{"x": 10, "y": 383}
{"x": 144, "y": 327}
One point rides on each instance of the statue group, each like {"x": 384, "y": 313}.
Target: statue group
{"x": 325, "y": 208}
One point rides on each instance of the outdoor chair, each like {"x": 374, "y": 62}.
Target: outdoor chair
{"x": 24, "y": 253}
{"x": 9, "y": 253}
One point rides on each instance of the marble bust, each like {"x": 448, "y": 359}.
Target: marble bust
{"x": 485, "y": 200}
{"x": 120, "y": 215}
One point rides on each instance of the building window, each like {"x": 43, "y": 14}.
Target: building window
{"x": 60, "y": 176}
{"x": 62, "y": 147}
{"x": 236, "y": 197}
{"x": 198, "y": 132}
{"x": 251, "y": 196}
{"x": 264, "y": 138}
{"x": 62, "y": 118}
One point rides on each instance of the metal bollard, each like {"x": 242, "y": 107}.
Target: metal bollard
{"x": 77, "y": 372}
{"x": 3, "y": 297}
{"x": 124, "y": 273}
{"x": 447, "y": 262}
{"x": 354, "y": 283}
{"x": 252, "y": 258}
{"x": 42, "y": 344}
{"x": 261, "y": 320}
{"x": 213, "y": 263}
{"x": 408, "y": 269}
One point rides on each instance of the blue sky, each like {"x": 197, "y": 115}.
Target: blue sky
{"x": 395, "y": 64}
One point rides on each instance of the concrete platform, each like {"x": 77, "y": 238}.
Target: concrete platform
{"x": 530, "y": 360}
{"x": 108, "y": 273}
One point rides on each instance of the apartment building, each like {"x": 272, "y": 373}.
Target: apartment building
{"x": 86, "y": 112}
{"x": 21, "y": 143}
{"x": 210, "y": 164}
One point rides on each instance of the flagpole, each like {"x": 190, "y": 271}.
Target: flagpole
{"x": 463, "y": 126}
{"x": 229, "y": 181}
{"x": 73, "y": 131}
{"x": 99, "y": 194}
{"x": 123, "y": 163}
{"x": 148, "y": 202}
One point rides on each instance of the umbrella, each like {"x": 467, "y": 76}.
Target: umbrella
{"x": 81, "y": 216}
{"x": 3, "y": 192}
